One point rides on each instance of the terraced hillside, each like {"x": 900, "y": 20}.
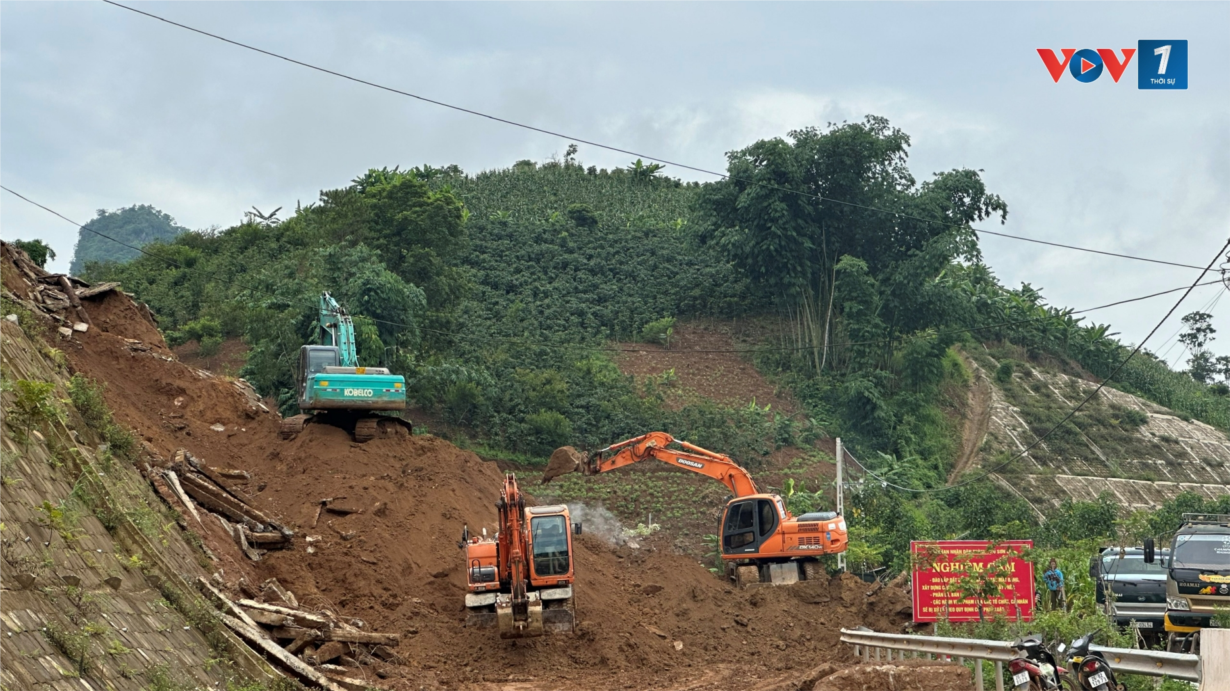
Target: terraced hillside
{"x": 1139, "y": 452}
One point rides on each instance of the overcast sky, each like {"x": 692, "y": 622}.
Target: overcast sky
{"x": 101, "y": 108}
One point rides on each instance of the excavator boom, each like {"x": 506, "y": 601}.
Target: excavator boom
{"x": 761, "y": 540}
{"x": 654, "y": 446}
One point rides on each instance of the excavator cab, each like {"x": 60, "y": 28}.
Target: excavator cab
{"x": 749, "y": 523}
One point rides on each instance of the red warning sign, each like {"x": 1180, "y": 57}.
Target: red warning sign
{"x": 953, "y": 578}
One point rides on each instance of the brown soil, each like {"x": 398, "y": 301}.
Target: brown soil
{"x": 976, "y": 418}
{"x": 115, "y": 313}
{"x": 230, "y": 358}
{"x": 402, "y": 571}
{"x": 724, "y": 377}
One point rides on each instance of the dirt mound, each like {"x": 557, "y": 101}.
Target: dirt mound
{"x": 647, "y": 618}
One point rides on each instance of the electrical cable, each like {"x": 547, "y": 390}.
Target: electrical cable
{"x": 1071, "y": 412}
{"x": 540, "y": 130}
{"x": 91, "y": 230}
{"x": 637, "y": 350}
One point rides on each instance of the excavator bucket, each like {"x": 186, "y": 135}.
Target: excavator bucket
{"x": 564, "y": 460}
{"x": 512, "y": 626}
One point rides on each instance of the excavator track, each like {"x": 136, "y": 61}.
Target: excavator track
{"x": 293, "y": 425}
{"x": 366, "y": 429}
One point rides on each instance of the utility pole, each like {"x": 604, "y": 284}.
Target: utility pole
{"x": 841, "y": 499}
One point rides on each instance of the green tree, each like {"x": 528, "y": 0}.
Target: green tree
{"x": 38, "y": 251}
{"x": 777, "y": 220}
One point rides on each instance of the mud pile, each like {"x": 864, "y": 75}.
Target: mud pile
{"x": 385, "y": 549}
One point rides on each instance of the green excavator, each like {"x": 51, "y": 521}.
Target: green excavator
{"x": 335, "y": 389}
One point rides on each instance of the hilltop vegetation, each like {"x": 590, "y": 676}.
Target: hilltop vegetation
{"x": 499, "y": 294}
{"x": 136, "y": 226}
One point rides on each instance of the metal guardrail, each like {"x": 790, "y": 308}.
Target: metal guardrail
{"x": 1125, "y": 660}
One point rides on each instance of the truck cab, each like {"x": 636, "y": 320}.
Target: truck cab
{"x": 1129, "y": 589}
{"x": 1197, "y": 573}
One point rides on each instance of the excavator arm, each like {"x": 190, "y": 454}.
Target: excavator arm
{"x": 335, "y": 322}
{"x": 654, "y": 446}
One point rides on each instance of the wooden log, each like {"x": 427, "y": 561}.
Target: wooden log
{"x": 296, "y": 632}
{"x": 297, "y": 644}
{"x": 353, "y": 636}
{"x": 173, "y": 481}
{"x": 267, "y": 539}
{"x": 191, "y": 481}
{"x": 269, "y": 618}
{"x": 231, "y": 473}
{"x": 210, "y": 502}
{"x": 96, "y": 289}
{"x": 305, "y": 619}
{"x": 71, "y": 294}
{"x": 241, "y": 539}
{"x": 222, "y": 602}
{"x": 294, "y": 664}
{"x": 332, "y": 634}
{"x": 349, "y": 683}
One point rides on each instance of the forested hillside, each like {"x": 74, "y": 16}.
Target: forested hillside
{"x": 499, "y": 295}
{"x": 135, "y": 226}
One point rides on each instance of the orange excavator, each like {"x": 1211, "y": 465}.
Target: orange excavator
{"x": 762, "y": 542}
{"x": 521, "y": 579}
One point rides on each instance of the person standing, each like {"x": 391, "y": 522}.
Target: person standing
{"x": 1053, "y": 578}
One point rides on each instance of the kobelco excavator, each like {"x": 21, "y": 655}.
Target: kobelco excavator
{"x": 521, "y": 579}
{"x": 334, "y": 388}
{"x": 762, "y": 542}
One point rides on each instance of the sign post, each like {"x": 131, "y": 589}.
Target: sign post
{"x": 943, "y": 568}
{"x": 841, "y": 500}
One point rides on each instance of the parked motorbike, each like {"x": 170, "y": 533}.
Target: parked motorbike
{"x": 1090, "y": 668}
{"x": 1035, "y": 669}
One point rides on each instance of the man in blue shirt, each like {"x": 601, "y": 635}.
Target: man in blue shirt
{"x": 1053, "y": 578}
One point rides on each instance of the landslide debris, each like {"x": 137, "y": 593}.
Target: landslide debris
{"x": 391, "y": 560}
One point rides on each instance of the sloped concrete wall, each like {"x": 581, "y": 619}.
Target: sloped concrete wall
{"x": 1168, "y": 457}
{"x": 69, "y": 586}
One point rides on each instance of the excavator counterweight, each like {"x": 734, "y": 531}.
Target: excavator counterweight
{"x": 761, "y": 541}
{"x": 520, "y": 580}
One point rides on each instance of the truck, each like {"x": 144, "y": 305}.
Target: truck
{"x": 1197, "y": 577}
{"x": 1131, "y": 591}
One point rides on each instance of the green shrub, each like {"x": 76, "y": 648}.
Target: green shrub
{"x": 548, "y": 430}
{"x": 199, "y": 330}
{"x": 461, "y": 402}
{"x": 582, "y": 215}
{"x": 87, "y": 397}
{"x": 33, "y": 406}
{"x": 1133, "y": 418}
{"x": 1003, "y": 373}
{"x": 659, "y": 331}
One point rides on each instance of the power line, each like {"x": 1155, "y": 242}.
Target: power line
{"x": 1071, "y": 412}
{"x": 91, "y": 230}
{"x": 637, "y": 350}
{"x": 607, "y": 147}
